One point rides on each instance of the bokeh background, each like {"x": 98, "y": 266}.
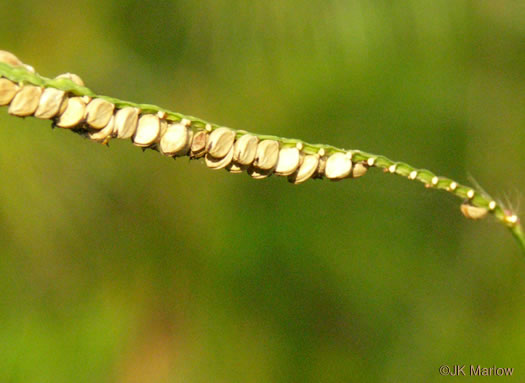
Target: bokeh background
{"x": 123, "y": 266}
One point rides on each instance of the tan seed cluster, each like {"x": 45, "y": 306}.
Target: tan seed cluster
{"x": 222, "y": 148}
{"x": 97, "y": 118}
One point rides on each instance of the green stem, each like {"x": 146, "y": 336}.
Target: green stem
{"x": 517, "y": 232}
{"x": 476, "y": 197}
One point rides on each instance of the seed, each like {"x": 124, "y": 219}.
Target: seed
{"x": 435, "y": 181}
{"x": 371, "y": 161}
{"x": 220, "y": 142}
{"x": 148, "y": 129}
{"x": 71, "y": 76}
{"x": 258, "y": 174}
{"x": 470, "y": 194}
{"x": 492, "y": 205}
{"x": 338, "y": 166}
{"x": 175, "y": 140}
{"x": 102, "y": 135}
{"x": 245, "y": 149}
{"x": 267, "y": 154}
{"x": 473, "y": 212}
{"x": 234, "y": 168}
{"x": 25, "y": 101}
{"x": 306, "y": 170}
{"x": 99, "y": 112}
{"x": 198, "y": 145}
{"x": 8, "y": 90}
{"x": 359, "y": 169}
{"x": 412, "y": 175}
{"x": 392, "y": 168}
{"x": 289, "y": 161}
{"x": 219, "y": 163}
{"x": 126, "y": 122}
{"x": 73, "y": 114}
{"x": 453, "y": 186}
{"x": 50, "y": 103}
{"x": 9, "y": 58}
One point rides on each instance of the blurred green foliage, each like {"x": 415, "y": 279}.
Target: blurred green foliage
{"x": 123, "y": 266}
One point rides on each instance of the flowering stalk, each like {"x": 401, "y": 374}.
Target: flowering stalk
{"x": 69, "y": 104}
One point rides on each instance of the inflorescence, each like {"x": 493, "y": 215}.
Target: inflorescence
{"x": 70, "y": 105}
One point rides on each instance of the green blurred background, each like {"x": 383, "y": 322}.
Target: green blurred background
{"x": 123, "y": 266}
